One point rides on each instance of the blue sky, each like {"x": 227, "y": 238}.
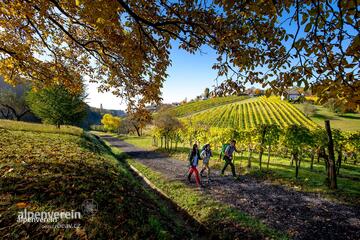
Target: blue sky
{"x": 188, "y": 76}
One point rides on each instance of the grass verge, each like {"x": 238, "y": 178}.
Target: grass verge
{"x": 57, "y": 172}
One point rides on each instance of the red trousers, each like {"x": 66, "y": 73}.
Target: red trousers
{"x": 192, "y": 170}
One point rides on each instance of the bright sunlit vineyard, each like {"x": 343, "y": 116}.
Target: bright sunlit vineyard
{"x": 193, "y": 107}
{"x": 248, "y": 113}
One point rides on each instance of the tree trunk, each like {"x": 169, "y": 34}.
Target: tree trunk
{"x": 295, "y": 157}
{"x": 161, "y": 142}
{"x": 268, "y": 160}
{"x": 355, "y": 158}
{"x": 260, "y": 156}
{"x": 292, "y": 160}
{"x": 137, "y": 130}
{"x": 312, "y": 159}
{"x": 5, "y": 115}
{"x": 249, "y": 159}
{"x": 332, "y": 166}
{"x": 262, "y": 145}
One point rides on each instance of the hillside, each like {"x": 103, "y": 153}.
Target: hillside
{"x": 193, "y": 107}
{"x": 345, "y": 122}
{"x": 250, "y": 112}
{"x": 45, "y": 169}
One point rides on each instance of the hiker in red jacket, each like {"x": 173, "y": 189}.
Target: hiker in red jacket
{"x": 194, "y": 158}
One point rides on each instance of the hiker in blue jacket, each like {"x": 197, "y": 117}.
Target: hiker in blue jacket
{"x": 228, "y": 157}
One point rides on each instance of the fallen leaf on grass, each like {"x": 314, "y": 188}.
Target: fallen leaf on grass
{"x": 81, "y": 233}
{"x": 21, "y": 204}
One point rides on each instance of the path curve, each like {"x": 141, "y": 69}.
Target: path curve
{"x": 301, "y": 215}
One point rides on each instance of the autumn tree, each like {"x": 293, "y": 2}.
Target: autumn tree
{"x": 167, "y": 126}
{"x": 110, "y": 122}
{"x": 12, "y": 104}
{"x": 56, "y": 105}
{"x": 206, "y": 93}
{"x": 138, "y": 117}
{"x": 124, "y": 45}
{"x": 257, "y": 92}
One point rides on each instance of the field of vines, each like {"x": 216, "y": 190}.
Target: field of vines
{"x": 193, "y": 107}
{"x": 249, "y": 113}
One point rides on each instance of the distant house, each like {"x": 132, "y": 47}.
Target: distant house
{"x": 293, "y": 94}
{"x": 253, "y": 92}
{"x": 250, "y": 91}
{"x": 151, "y": 108}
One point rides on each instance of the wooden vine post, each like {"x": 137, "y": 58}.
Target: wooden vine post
{"x": 331, "y": 161}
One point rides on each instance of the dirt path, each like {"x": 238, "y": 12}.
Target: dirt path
{"x": 301, "y": 215}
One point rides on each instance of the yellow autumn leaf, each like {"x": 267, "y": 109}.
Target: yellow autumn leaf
{"x": 21, "y": 204}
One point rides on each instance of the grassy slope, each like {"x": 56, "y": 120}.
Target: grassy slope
{"x": 223, "y": 219}
{"x": 283, "y": 173}
{"x": 346, "y": 122}
{"x": 45, "y": 171}
{"x": 35, "y": 127}
{"x": 192, "y": 107}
